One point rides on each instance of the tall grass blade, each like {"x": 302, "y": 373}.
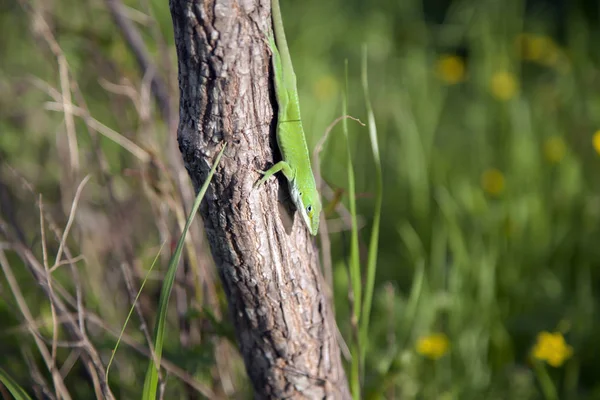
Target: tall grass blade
{"x": 354, "y": 255}
{"x": 374, "y": 241}
{"x": 112, "y": 356}
{"x": 151, "y": 381}
{"x": 13, "y": 387}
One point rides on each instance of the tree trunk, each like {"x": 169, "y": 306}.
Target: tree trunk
{"x": 284, "y": 324}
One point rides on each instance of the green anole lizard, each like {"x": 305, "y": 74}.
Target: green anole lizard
{"x": 290, "y": 134}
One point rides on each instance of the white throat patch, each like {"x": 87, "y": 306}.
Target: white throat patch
{"x": 297, "y": 199}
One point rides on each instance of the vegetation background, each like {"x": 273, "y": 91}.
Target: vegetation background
{"x": 488, "y": 274}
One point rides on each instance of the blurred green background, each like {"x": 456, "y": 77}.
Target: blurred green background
{"x": 488, "y": 114}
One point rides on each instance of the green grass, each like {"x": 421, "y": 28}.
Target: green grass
{"x": 374, "y": 240}
{"x": 354, "y": 261}
{"x": 13, "y": 387}
{"x": 131, "y": 310}
{"x": 361, "y": 303}
{"x": 151, "y": 382}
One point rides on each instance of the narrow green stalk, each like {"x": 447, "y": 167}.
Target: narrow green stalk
{"x": 354, "y": 256}
{"x": 13, "y": 387}
{"x": 151, "y": 381}
{"x": 546, "y": 384}
{"x": 114, "y": 352}
{"x": 374, "y": 241}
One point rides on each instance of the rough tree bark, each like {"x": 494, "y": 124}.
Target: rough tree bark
{"x": 284, "y": 324}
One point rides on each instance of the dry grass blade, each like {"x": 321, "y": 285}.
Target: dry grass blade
{"x": 69, "y": 222}
{"x": 90, "y": 357}
{"x": 49, "y": 280}
{"x": 99, "y": 127}
{"x": 59, "y": 384}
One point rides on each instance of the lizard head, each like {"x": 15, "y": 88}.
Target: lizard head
{"x": 309, "y": 206}
{"x": 311, "y": 211}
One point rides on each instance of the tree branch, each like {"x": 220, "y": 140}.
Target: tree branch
{"x": 284, "y": 324}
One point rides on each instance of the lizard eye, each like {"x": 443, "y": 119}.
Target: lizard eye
{"x": 309, "y": 209}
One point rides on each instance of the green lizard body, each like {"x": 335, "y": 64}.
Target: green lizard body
{"x": 290, "y": 134}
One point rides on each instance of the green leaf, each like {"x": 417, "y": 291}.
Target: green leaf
{"x": 354, "y": 256}
{"x": 13, "y": 387}
{"x": 374, "y": 242}
{"x": 112, "y": 356}
{"x": 151, "y": 381}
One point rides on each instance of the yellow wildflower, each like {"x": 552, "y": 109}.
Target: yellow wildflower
{"x": 538, "y": 48}
{"x": 433, "y": 346}
{"x": 552, "y": 348}
{"x": 325, "y": 87}
{"x": 492, "y": 181}
{"x": 450, "y": 69}
{"x": 596, "y": 141}
{"x": 554, "y": 149}
{"x": 503, "y": 85}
